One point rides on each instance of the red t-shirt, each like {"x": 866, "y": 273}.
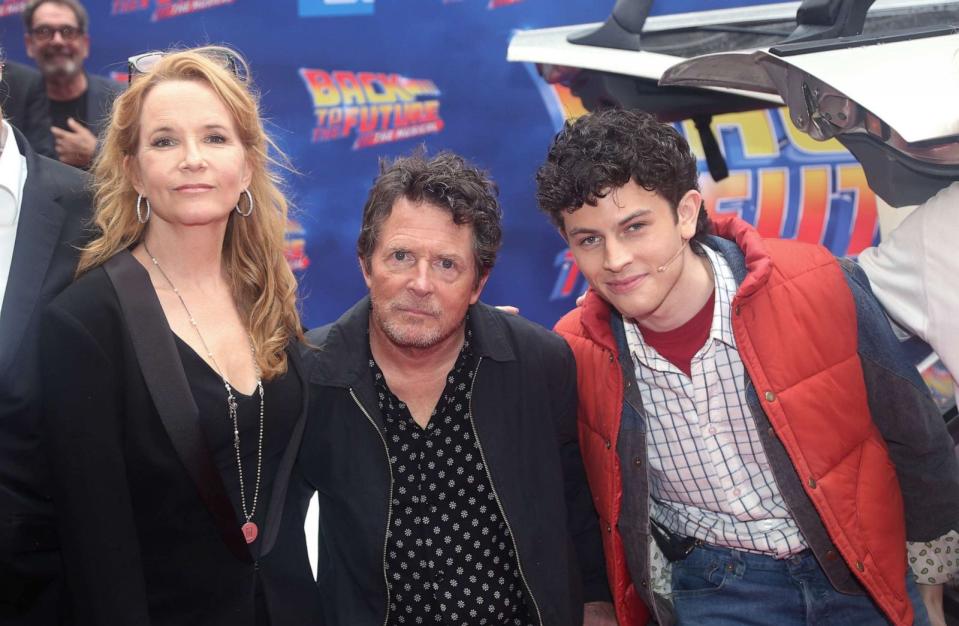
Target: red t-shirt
{"x": 679, "y": 346}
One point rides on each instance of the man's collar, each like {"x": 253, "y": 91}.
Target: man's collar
{"x": 342, "y": 348}
{"x": 490, "y": 333}
{"x": 725, "y": 291}
{"x": 720, "y": 328}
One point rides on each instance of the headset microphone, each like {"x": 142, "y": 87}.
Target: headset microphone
{"x": 662, "y": 268}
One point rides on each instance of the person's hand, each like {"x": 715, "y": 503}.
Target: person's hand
{"x": 75, "y": 146}
{"x": 505, "y": 308}
{"x": 599, "y": 614}
{"x": 932, "y": 598}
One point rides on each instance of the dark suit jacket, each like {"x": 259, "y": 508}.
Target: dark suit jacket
{"x": 101, "y": 92}
{"x": 149, "y": 534}
{"x": 54, "y": 208}
{"x": 23, "y": 100}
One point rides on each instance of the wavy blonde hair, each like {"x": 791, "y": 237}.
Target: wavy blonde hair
{"x": 263, "y": 286}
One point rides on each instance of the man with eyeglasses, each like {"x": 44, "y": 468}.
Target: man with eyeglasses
{"x": 57, "y": 38}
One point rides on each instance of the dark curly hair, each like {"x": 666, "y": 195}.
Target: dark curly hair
{"x": 602, "y": 151}
{"x": 447, "y": 181}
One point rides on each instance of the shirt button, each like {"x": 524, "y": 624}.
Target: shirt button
{"x": 610, "y": 357}
{"x": 637, "y": 461}
{"x": 860, "y": 566}
{"x": 712, "y": 430}
{"x": 609, "y": 528}
{"x": 737, "y": 492}
{"x": 811, "y": 482}
{"x": 608, "y": 444}
{"x": 643, "y": 584}
{"x": 831, "y": 555}
{"x": 770, "y": 396}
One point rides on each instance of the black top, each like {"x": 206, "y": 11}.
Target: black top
{"x": 450, "y": 556}
{"x": 149, "y": 529}
{"x": 282, "y": 398}
{"x": 60, "y": 110}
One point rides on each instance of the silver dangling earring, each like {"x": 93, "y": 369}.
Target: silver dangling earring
{"x": 140, "y": 218}
{"x": 249, "y": 196}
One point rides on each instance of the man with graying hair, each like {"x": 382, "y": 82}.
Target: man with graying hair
{"x": 442, "y": 435}
{"x": 57, "y": 37}
{"x": 43, "y": 205}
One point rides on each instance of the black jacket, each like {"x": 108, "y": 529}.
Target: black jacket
{"x": 100, "y": 94}
{"x": 524, "y": 411}
{"x": 54, "y": 208}
{"x": 23, "y": 100}
{"x": 149, "y": 534}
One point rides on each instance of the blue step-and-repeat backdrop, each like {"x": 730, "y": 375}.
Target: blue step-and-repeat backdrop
{"x": 345, "y": 82}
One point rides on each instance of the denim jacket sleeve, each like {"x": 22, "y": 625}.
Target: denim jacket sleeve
{"x": 919, "y": 445}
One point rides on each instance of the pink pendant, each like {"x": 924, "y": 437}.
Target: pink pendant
{"x": 250, "y": 531}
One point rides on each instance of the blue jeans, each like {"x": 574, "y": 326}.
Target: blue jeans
{"x": 717, "y": 586}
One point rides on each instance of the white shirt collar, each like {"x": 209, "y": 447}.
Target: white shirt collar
{"x": 721, "y": 328}
{"x": 12, "y": 175}
{"x": 726, "y": 287}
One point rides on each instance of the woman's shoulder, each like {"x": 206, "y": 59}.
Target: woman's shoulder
{"x": 90, "y": 300}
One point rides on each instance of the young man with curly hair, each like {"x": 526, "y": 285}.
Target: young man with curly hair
{"x": 759, "y": 451}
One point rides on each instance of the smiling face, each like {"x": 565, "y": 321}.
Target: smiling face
{"x": 189, "y": 162}
{"x": 421, "y": 275}
{"x": 58, "y": 55}
{"x": 621, "y": 243}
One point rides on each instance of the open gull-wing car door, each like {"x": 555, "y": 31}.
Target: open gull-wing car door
{"x": 620, "y": 62}
{"x": 880, "y": 78}
{"x": 890, "y": 100}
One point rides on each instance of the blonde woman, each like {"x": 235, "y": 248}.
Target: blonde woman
{"x": 174, "y": 393}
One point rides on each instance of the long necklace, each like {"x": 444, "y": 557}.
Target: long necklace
{"x": 249, "y": 528}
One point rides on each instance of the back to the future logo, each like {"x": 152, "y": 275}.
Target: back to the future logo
{"x": 165, "y": 9}
{"x": 12, "y": 7}
{"x": 372, "y": 107}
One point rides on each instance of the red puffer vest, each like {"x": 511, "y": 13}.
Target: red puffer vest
{"x": 794, "y": 320}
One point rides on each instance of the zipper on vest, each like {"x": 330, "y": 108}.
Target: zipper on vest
{"x": 389, "y": 509}
{"x": 489, "y": 476}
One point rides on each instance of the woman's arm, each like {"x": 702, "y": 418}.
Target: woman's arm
{"x": 82, "y": 435}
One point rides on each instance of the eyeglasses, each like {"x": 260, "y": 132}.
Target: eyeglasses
{"x": 46, "y": 33}
{"x": 144, "y": 63}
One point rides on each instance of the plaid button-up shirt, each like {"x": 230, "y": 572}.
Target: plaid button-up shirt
{"x": 709, "y": 475}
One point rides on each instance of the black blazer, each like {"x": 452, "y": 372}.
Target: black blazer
{"x": 53, "y": 211}
{"x": 149, "y": 534}
{"x": 23, "y": 100}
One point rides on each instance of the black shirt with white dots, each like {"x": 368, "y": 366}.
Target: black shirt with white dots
{"x": 450, "y": 558}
